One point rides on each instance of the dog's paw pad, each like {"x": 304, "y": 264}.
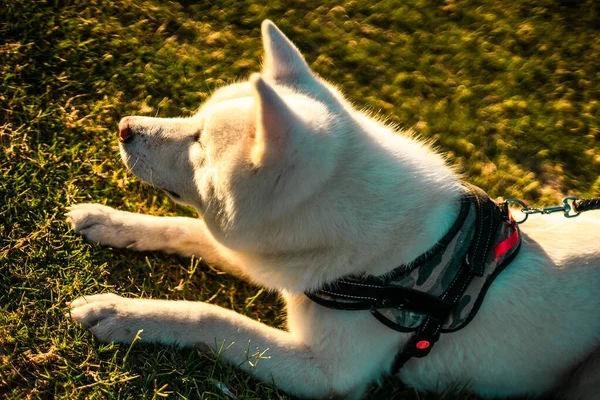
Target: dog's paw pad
{"x": 80, "y": 301}
{"x": 84, "y": 216}
{"x": 99, "y": 224}
{"x": 105, "y": 315}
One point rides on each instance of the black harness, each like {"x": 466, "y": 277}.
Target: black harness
{"x": 483, "y": 240}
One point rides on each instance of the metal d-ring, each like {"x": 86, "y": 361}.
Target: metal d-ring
{"x": 568, "y": 207}
{"x": 523, "y": 208}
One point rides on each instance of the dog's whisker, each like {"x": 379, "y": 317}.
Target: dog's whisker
{"x": 135, "y": 163}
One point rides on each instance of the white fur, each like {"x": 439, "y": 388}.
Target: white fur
{"x": 295, "y": 189}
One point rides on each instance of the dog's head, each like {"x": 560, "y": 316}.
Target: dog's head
{"x": 255, "y": 150}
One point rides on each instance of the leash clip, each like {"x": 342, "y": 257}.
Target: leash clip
{"x": 565, "y": 208}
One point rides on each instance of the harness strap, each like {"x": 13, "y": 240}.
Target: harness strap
{"x": 351, "y": 295}
{"x": 419, "y": 345}
{"x": 380, "y": 292}
{"x": 422, "y": 341}
{"x": 489, "y": 216}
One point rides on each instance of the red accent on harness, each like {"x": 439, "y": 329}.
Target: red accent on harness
{"x": 423, "y": 344}
{"x": 507, "y": 243}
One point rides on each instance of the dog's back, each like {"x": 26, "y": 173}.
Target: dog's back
{"x": 566, "y": 239}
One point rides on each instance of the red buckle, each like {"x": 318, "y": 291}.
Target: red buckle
{"x": 423, "y": 344}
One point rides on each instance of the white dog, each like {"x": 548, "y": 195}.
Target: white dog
{"x": 297, "y": 189}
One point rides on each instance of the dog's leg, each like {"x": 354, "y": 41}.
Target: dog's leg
{"x": 109, "y": 227}
{"x": 269, "y": 354}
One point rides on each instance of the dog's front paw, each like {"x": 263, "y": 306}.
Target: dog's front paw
{"x": 108, "y": 316}
{"x": 100, "y": 224}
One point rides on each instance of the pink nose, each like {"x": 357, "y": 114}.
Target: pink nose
{"x": 125, "y": 132}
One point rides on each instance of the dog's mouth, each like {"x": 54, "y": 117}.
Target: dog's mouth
{"x": 172, "y": 193}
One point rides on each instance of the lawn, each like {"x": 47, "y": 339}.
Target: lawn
{"x": 509, "y": 90}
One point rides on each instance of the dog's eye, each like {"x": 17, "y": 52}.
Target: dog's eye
{"x": 197, "y": 137}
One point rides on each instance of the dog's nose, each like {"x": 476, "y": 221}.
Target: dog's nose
{"x": 125, "y": 132}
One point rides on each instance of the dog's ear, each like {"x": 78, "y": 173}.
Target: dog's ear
{"x": 282, "y": 60}
{"x": 275, "y": 124}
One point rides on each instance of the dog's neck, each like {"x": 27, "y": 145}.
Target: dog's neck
{"x": 391, "y": 199}
{"x": 418, "y": 197}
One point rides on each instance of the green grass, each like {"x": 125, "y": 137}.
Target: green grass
{"x": 510, "y": 90}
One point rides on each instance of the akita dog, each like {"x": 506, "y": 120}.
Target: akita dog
{"x": 298, "y": 190}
